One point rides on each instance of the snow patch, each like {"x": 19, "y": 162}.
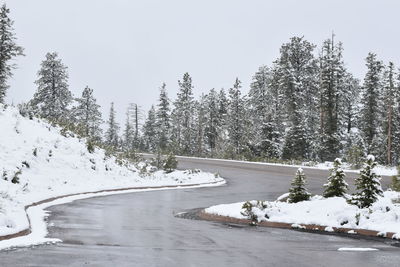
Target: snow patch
{"x": 357, "y": 249}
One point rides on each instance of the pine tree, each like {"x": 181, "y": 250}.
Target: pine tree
{"x": 331, "y": 77}
{"x": 336, "y": 186}
{"x": 163, "y": 120}
{"x": 236, "y": 120}
{"x": 371, "y": 113}
{"x": 349, "y": 117}
{"x": 150, "y": 131}
{"x": 183, "y": 134}
{"x": 263, "y": 100}
{"x": 111, "y": 137}
{"x": 298, "y": 192}
{"x": 8, "y": 50}
{"x": 368, "y": 185}
{"x": 396, "y": 124}
{"x": 87, "y": 114}
{"x": 389, "y": 100}
{"x": 129, "y": 130}
{"x": 199, "y": 124}
{"x": 212, "y": 121}
{"x": 296, "y": 72}
{"x": 52, "y": 97}
{"x": 222, "y": 138}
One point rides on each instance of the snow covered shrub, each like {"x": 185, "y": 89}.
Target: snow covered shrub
{"x": 298, "y": 192}
{"x": 5, "y": 176}
{"x": 170, "y": 163}
{"x": 15, "y": 179}
{"x": 90, "y": 146}
{"x": 252, "y": 209}
{"x": 158, "y": 161}
{"x": 26, "y": 164}
{"x": 132, "y": 156}
{"x": 368, "y": 185}
{"x": 192, "y": 171}
{"x": 143, "y": 170}
{"x": 336, "y": 186}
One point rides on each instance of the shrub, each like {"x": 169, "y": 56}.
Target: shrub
{"x": 90, "y": 146}
{"x": 250, "y": 209}
{"x": 170, "y": 163}
{"x": 15, "y": 179}
{"x": 158, "y": 161}
{"x": 26, "y": 164}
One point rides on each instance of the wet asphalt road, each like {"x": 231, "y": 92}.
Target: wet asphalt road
{"x": 140, "y": 229}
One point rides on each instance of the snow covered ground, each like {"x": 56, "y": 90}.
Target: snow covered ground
{"x": 383, "y": 216}
{"x": 37, "y": 162}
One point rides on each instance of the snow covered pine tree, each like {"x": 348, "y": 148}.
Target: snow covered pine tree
{"x": 52, "y": 97}
{"x": 368, "y": 185}
{"x": 88, "y": 115}
{"x": 336, "y": 186}
{"x": 111, "y": 137}
{"x": 8, "y": 50}
{"x": 298, "y": 192}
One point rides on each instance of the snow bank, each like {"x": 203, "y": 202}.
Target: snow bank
{"x": 49, "y": 164}
{"x": 383, "y": 216}
{"x": 380, "y": 170}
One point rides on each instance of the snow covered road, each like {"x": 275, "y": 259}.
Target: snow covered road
{"x": 139, "y": 229}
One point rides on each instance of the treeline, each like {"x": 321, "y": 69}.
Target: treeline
{"x": 305, "y": 106}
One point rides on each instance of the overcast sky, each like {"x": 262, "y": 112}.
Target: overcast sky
{"x": 125, "y": 49}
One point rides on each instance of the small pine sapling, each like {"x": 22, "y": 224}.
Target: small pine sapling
{"x": 250, "y": 209}
{"x": 298, "y": 192}
{"x": 170, "y": 163}
{"x": 248, "y": 212}
{"x": 336, "y": 186}
{"x": 368, "y": 185}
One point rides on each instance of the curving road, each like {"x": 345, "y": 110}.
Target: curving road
{"x": 139, "y": 229}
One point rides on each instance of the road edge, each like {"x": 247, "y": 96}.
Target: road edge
{"x": 350, "y": 232}
{"x": 28, "y": 230}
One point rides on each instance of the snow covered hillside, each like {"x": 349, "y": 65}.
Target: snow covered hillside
{"x": 37, "y": 162}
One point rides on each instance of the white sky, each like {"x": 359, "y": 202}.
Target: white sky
{"x": 125, "y": 49}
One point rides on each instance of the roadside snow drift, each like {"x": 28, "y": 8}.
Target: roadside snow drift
{"x": 37, "y": 162}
